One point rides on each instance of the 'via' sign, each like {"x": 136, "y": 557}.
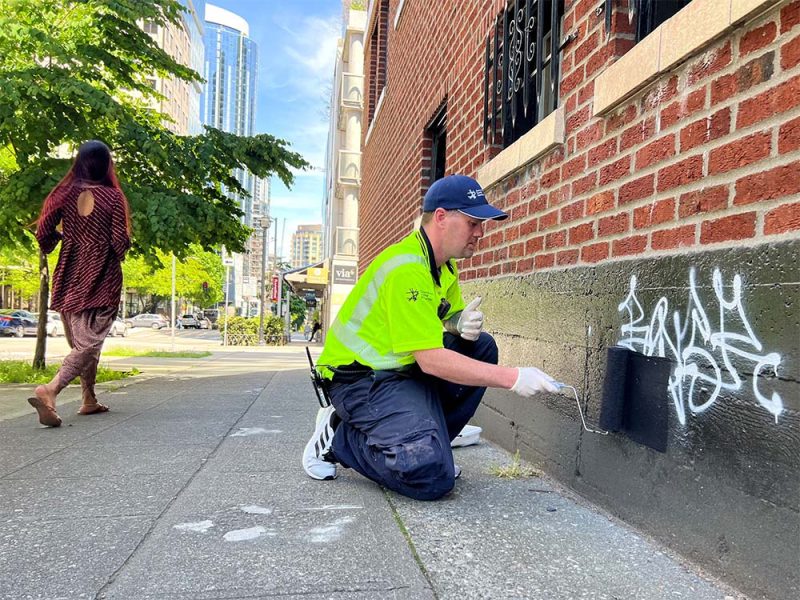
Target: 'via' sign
{"x": 344, "y": 274}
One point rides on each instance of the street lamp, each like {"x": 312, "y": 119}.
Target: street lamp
{"x": 264, "y": 222}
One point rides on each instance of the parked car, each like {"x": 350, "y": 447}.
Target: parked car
{"x": 188, "y": 322}
{"x": 118, "y": 328}
{"x": 212, "y": 314}
{"x": 55, "y": 325}
{"x": 147, "y": 320}
{"x": 204, "y": 322}
{"x": 18, "y": 326}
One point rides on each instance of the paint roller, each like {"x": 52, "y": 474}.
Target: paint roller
{"x": 613, "y": 398}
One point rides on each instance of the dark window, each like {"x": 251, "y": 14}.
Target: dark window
{"x": 522, "y": 63}
{"x": 647, "y": 14}
{"x": 379, "y": 54}
{"x": 437, "y": 132}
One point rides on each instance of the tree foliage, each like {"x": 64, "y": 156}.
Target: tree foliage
{"x": 72, "y": 70}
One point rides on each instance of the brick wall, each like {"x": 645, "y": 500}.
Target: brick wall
{"x": 707, "y": 155}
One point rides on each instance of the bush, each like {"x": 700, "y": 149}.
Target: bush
{"x": 243, "y": 331}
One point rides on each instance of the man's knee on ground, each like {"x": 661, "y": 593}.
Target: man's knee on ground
{"x": 423, "y": 464}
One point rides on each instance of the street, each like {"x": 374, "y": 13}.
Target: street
{"x": 191, "y": 487}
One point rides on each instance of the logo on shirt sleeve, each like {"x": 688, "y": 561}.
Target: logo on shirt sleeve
{"x": 412, "y": 295}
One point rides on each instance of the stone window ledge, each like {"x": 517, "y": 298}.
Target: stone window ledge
{"x": 694, "y": 27}
{"x": 375, "y": 114}
{"x": 548, "y": 133}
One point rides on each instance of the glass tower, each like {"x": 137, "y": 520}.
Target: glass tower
{"x": 228, "y": 103}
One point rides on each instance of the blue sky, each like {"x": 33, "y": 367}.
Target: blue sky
{"x": 296, "y": 53}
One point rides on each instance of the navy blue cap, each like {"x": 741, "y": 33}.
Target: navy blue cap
{"x": 462, "y": 193}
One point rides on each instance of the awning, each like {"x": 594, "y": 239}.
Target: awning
{"x": 309, "y": 278}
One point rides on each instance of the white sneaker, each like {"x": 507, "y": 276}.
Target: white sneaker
{"x": 457, "y": 470}
{"x": 467, "y": 437}
{"x": 317, "y": 450}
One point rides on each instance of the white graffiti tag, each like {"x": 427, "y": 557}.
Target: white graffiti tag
{"x": 702, "y": 353}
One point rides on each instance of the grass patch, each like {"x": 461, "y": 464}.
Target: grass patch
{"x": 515, "y": 470}
{"x": 122, "y": 351}
{"x": 20, "y": 371}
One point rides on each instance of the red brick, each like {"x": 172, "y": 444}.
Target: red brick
{"x": 705, "y": 130}
{"x": 734, "y": 227}
{"x": 589, "y": 135}
{"x": 723, "y": 87}
{"x": 768, "y": 185}
{"x": 598, "y": 60}
{"x": 637, "y": 189}
{"x": 631, "y": 245}
{"x": 511, "y": 233}
{"x": 702, "y": 201}
{"x": 567, "y": 257}
{"x": 548, "y": 220}
{"x": 516, "y": 250}
{"x": 782, "y": 219}
{"x": 789, "y": 136}
{"x": 586, "y": 92}
{"x": 790, "y": 54}
{"x": 524, "y": 265}
{"x": 572, "y": 211}
{"x": 667, "y": 239}
{"x": 594, "y": 252}
{"x": 537, "y": 205}
{"x": 615, "y": 170}
{"x": 770, "y": 103}
{"x": 574, "y": 167}
{"x": 544, "y": 261}
{"x": 578, "y": 119}
{"x": 600, "y": 203}
{"x": 790, "y": 16}
{"x": 559, "y": 196}
{"x": 682, "y": 173}
{"x": 550, "y": 178}
{"x": 740, "y": 153}
{"x": 581, "y": 233}
{"x": 584, "y": 184}
{"x": 757, "y": 38}
{"x": 534, "y": 245}
{"x": 588, "y": 46}
{"x": 660, "y": 94}
{"x": 528, "y": 227}
{"x": 682, "y": 108}
{"x": 656, "y": 151}
{"x": 572, "y": 81}
{"x": 710, "y": 63}
{"x": 659, "y": 212}
{"x": 602, "y": 152}
{"x": 637, "y": 134}
{"x": 621, "y": 118}
{"x": 612, "y": 225}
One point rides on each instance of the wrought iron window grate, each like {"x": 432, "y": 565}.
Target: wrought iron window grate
{"x": 522, "y": 69}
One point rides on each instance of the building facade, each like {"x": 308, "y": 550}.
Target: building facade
{"x": 343, "y": 165}
{"x": 306, "y": 246}
{"x": 228, "y": 103}
{"x": 649, "y": 156}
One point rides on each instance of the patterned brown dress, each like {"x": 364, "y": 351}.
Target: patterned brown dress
{"x": 87, "y": 282}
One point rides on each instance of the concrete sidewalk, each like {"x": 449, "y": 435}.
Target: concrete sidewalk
{"x": 191, "y": 488}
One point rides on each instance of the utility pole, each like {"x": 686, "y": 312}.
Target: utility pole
{"x": 264, "y": 222}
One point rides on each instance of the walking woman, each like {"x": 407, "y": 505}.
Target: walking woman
{"x": 94, "y": 235}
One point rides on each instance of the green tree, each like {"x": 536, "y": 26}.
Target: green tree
{"x": 298, "y": 308}
{"x": 72, "y": 70}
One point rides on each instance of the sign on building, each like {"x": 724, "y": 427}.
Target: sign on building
{"x": 344, "y": 274}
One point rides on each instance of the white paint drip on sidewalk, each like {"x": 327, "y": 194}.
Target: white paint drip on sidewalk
{"x": 329, "y": 533}
{"x": 251, "y": 533}
{"x": 198, "y": 527}
{"x": 336, "y": 507}
{"x": 247, "y": 431}
{"x": 254, "y": 509}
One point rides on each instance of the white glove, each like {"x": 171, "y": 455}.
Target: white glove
{"x": 470, "y": 321}
{"x": 531, "y": 380}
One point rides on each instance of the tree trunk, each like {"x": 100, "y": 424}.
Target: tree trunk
{"x": 44, "y": 296}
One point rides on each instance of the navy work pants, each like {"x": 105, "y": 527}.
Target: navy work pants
{"x": 397, "y": 426}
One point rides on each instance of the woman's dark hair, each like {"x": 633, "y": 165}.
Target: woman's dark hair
{"x": 92, "y": 165}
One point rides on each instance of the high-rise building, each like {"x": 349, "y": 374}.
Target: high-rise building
{"x": 228, "y": 103}
{"x": 184, "y": 43}
{"x": 306, "y": 245}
